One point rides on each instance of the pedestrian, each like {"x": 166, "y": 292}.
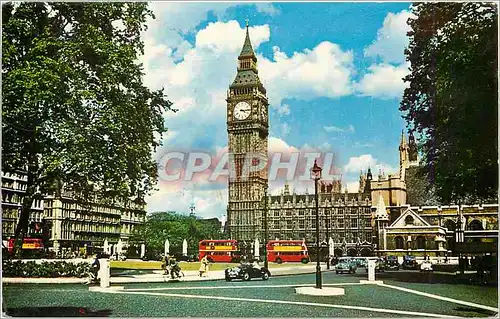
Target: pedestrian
{"x": 204, "y": 266}
{"x": 164, "y": 264}
{"x": 94, "y": 271}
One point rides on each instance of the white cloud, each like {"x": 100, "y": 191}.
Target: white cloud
{"x": 352, "y": 187}
{"x": 283, "y": 109}
{"x": 325, "y": 70}
{"x": 383, "y": 81}
{"x": 391, "y": 38}
{"x": 332, "y": 128}
{"x": 285, "y": 129}
{"x": 365, "y": 161}
{"x": 267, "y": 8}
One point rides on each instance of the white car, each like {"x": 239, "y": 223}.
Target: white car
{"x": 426, "y": 265}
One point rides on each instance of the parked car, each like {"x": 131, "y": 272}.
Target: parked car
{"x": 150, "y": 255}
{"x": 246, "y": 271}
{"x": 380, "y": 265}
{"x": 426, "y": 265}
{"x": 392, "y": 263}
{"x": 409, "y": 262}
{"x": 361, "y": 262}
{"x": 345, "y": 265}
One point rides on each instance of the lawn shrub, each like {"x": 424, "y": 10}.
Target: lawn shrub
{"x": 18, "y": 268}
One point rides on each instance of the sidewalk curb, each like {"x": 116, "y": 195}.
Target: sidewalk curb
{"x": 123, "y": 280}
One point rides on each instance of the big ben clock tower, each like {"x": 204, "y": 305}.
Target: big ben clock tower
{"x": 247, "y": 128}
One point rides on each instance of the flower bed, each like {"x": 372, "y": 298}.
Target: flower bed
{"x": 44, "y": 269}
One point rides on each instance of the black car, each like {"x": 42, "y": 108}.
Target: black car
{"x": 409, "y": 262}
{"x": 392, "y": 263}
{"x": 246, "y": 272}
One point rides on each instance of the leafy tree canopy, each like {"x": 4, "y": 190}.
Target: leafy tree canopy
{"x": 452, "y": 97}
{"x": 75, "y": 111}
{"x": 175, "y": 227}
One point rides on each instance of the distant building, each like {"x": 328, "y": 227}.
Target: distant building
{"x": 67, "y": 222}
{"x": 367, "y": 222}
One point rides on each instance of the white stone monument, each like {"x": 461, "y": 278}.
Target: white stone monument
{"x": 371, "y": 270}
{"x": 143, "y": 250}
{"x": 167, "y": 247}
{"x": 104, "y": 273}
{"x": 184, "y": 248}
{"x": 256, "y": 248}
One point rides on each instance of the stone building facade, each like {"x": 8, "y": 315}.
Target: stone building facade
{"x": 67, "y": 222}
{"x": 343, "y": 217}
{"x": 375, "y": 220}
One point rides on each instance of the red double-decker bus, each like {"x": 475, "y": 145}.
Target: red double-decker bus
{"x": 279, "y": 251}
{"x": 31, "y": 246}
{"x": 224, "y": 250}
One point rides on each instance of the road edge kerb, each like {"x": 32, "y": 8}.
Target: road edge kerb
{"x": 75, "y": 280}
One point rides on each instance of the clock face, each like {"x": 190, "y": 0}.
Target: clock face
{"x": 242, "y": 111}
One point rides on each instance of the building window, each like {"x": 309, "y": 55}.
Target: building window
{"x": 420, "y": 242}
{"x": 399, "y": 242}
{"x": 354, "y": 223}
{"x": 475, "y": 225}
{"x": 450, "y": 225}
{"x": 409, "y": 220}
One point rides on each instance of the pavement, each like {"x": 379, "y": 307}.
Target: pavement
{"x": 157, "y": 276}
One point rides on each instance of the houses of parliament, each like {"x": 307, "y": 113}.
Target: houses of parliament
{"x": 379, "y": 218}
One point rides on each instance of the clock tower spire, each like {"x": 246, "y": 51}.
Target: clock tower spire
{"x": 247, "y": 127}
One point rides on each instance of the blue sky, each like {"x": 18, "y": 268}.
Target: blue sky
{"x": 332, "y": 70}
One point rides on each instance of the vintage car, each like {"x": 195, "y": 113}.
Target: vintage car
{"x": 362, "y": 262}
{"x": 426, "y": 266}
{"x": 392, "y": 263}
{"x": 246, "y": 271}
{"x": 380, "y": 265}
{"x": 345, "y": 265}
{"x": 409, "y": 262}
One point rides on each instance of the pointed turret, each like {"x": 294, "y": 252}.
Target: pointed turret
{"x": 381, "y": 211}
{"x": 403, "y": 139}
{"x": 247, "y": 75}
{"x": 413, "y": 150}
{"x": 287, "y": 189}
{"x": 247, "y": 50}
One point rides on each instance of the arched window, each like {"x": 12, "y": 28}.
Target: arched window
{"x": 450, "y": 225}
{"x": 420, "y": 242}
{"x": 409, "y": 220}
{"x": 476, "y": 225}
{"x": 399, "y": 242}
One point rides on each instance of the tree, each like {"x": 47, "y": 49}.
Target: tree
{"x": 76, "y": 113}
{"x": 452, "y": 97}
{"x": 175, "y": 227}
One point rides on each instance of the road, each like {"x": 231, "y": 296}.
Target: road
{"x": 256, "y": 298}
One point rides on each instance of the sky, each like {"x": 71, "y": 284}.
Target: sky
{"x": 333, "y": 74}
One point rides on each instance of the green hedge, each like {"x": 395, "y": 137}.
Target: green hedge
{"x": 44, "y": 269}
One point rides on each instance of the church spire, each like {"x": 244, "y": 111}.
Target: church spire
{"x": 403, "y": 138}
{"x": 247, "y": 50}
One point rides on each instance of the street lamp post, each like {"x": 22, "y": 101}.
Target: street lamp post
{"x": 316, "y": 176}
{"x": 266, "y": 264}
{"x": 328, "y": 243}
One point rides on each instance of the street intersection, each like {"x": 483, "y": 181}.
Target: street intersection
{"x": 256, "y": 298}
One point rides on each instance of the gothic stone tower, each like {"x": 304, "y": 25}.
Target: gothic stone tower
{"x": 247, "y": 128}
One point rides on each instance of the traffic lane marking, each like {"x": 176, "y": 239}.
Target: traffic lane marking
{"x": 299, "y": 303}
{"x": 425, "y": 294}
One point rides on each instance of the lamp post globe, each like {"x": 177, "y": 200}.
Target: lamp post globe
{"x": 316, "y": 176}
